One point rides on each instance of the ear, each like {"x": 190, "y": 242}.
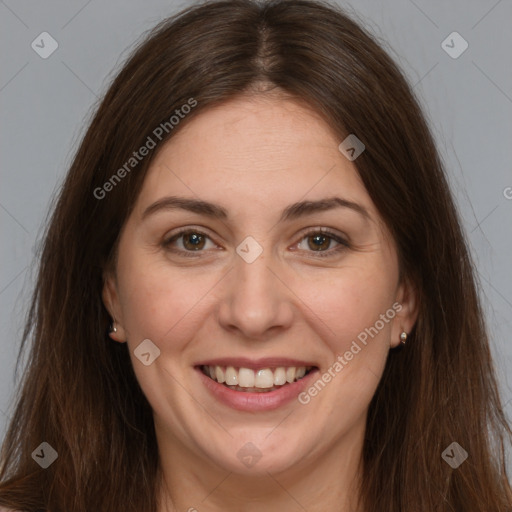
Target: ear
{"x": 406, "y": 307}
{"x": 110, "y": 298}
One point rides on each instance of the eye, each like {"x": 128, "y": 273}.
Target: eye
{"x": 189, "y": 240}
{"x": 322, "y": 241}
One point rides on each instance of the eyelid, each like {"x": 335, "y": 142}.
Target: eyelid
{"x": 341, "y": 240}
{"x": 166, "y": 243}
{"x": 189, "y": 229}
{"x": 324, "y": 231}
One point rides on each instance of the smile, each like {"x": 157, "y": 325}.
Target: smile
{"x": 261, "y": 380}
{"x": 255, "y": 385}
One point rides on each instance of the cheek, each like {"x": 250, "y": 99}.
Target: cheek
{"x": 348, "y": 304}
{"x": 348, "y": 316}
{"x": 159, "y": 302}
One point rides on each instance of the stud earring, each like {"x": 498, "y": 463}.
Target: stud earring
{"x": 403, "y": 337}
{"x": 113, "y": 327}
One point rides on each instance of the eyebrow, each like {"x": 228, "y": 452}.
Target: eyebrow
{"x": 214, "y": 211}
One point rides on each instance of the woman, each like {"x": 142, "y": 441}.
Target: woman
{"x": 254, "y": 291}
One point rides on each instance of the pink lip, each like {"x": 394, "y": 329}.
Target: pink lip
{"x": 254, "y": 364}
{"x": 253, "y": 402}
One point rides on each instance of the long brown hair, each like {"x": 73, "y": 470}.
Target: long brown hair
{"x": 79, "y": 392}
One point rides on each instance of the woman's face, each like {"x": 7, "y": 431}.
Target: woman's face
{"x": 255, "y": 292}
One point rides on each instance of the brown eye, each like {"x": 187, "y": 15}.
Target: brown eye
{"x": 324, "y": 243}
{"x": 318, "y": 242}
{"x": 193, "y": 241}
{"x": 188, "y": 241}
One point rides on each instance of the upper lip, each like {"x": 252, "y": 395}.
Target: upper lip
{"x": 255, "y": 364}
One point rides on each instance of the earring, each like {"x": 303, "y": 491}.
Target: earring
{"x": 403, "y": 337}
{"x": 113, "y": 327}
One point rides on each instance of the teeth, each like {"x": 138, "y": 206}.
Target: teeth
{"x": 231, "y": 376}
{"x": 246, "y": 378}
{"x": 279, "y": 376}
{"x": 265, "y": 378}
{"x": 217, "y": 373}
{"x": 300, "y": 373}
{"x": 290, "y": 374}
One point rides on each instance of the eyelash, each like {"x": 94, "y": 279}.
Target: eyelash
{"x": 342, "y": 243}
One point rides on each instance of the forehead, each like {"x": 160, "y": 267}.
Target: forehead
{"x": 254, "y": 152}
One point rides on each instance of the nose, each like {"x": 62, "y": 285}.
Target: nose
{"x": 255, "y": 303}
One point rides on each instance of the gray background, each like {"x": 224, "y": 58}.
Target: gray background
{"x": 44, "y": 105}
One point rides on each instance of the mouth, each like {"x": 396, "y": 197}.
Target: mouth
{"x": 255, "y": 385}
{"x": 256, "y": 380}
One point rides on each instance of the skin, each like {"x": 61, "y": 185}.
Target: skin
{"x": 254, "y": 156}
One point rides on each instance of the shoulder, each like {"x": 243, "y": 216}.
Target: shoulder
{"x": 3, "y": 509}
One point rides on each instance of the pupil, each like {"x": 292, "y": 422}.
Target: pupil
{"x": 319, "y": 242}
{"x": 194, "y": 241}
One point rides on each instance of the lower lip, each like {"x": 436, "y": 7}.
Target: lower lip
{"x": 265, "y": 401}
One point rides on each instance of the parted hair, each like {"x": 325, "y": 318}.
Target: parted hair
{"x": 78, "y": 390}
